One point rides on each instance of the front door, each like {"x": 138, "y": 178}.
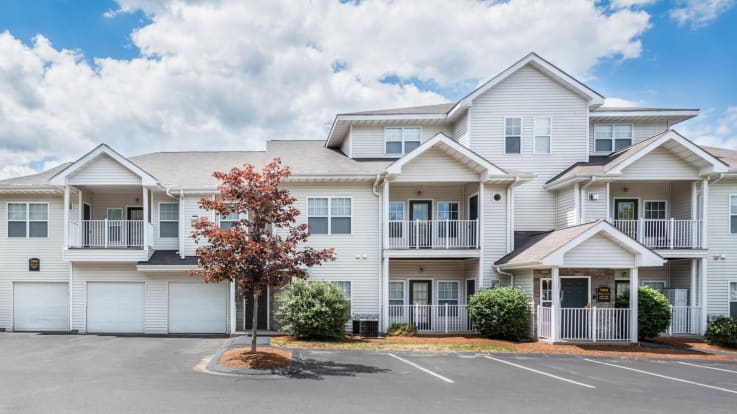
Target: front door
{"x": 574, "y": 300}
{"x": 135, "y": 226}
{"x": 420, "y": 297}
{"x": 420, "y": 214}
{"x": 263, "y": 309}
{"x": 626, "y": 213}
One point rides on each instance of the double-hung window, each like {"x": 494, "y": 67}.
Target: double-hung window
{"x": 226, "y": 220}
{"x": 396, "y": 219}
{"x": 329, "y": 215}
{"x": 654, "y": 210}
{"x": 396, "y": 298}
{"x": 543, "y": 134}
{"x": 345, "y": 286}
{"x": 448, "y": 218}
{"x": 448, "y": 294}
{"x": 546, "y": 292}
{"x": 115, "y": 225}
{"x": 28, "y": 220}
{"x": 512, "y": 135}
{"x": 612, "y": 137}
{"x": 733, "y": 213}
{"x": 733, "y": 299}
{"x": 168, "y": 220}
{"x": 400, "y": 141}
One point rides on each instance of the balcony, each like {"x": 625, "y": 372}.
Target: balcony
{"x": 107, "y": 234}
{"x": 433, "y": 234}
{"x": 663, "y": 234}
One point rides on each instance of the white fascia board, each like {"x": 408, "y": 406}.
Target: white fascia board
{"x": 60, "y": 177}
{"x": 644, "y": 256}
{"x": 579, "y": 178}
{"x": 717, "y": 166}
{"x": 164, "y": 268}
{"x": 689, "y": 113}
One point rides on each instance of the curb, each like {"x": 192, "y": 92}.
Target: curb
{"x": 214, "y": 364}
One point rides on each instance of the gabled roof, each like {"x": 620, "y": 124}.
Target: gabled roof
{"x": 549, "y": 249}
{"x": 447, "y": 145}
{"x": 613, "y": 164}
{"x": 727, "y": 156}
{"x": 102, "y": 149}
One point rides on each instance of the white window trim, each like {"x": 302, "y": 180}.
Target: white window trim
{"x": 521, "y": 134}
{"x": 218, "y": 218}
{"x": 404, "y": 291}
{"x": 632, "y": 137}
{"x": 437, "y": 209}
{"x": 330, "y": 214}
{"x": 404, "y": 208}
{"x": 542, "y": 302}
{"x": 534, "y": 136}
{"x": 159, "y": 221}
{"x": 350, "y": 299}
{"x": 107, "y": 212}
{"x": 729, "y": 296}
{"x": 730, "y": 215}
{"x": 28, "y": 219}
{"x": 437, "y": 291}
{"x": 403, "y": 140}
{"x": 644, "y": 205}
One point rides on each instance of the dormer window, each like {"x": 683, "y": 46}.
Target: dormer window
{"x": 612, "y": 137}
{"x": 400, "y": 141}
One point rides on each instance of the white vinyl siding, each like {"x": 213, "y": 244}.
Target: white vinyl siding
{"x": 612, "y": 137}
{"x": 599, "y": 251}
{"x": 460, "y": 130}
{"x": 345, "y": 286}
{"x": 329, "y": 215}
{"x": 721, "y": 242}
{"x": 662, "y": 164}
{"x": 435, "y": 165}
{"x": 595, "y": 209}
{"x": 641, "y": 130}
{"x": 169, "y": 220}
{"x": 28, "y": 220}
{"x": 103, "y": 170}
{"x": 368, "y": 141}
{"x": 543, "y": 135}
{"x": 566, "y": 208}
{"x": 733, "y": 213}
{"x": 654, "y": 284}
{"x": 400, "y": 141}
{"x": 513, "y": 135}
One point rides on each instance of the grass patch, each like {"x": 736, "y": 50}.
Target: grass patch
{"x": 456, "y": 344}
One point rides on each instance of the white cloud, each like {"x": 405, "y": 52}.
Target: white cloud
{"x": 713, "y": 128}
{"x": 229, "y": 74}
{"x": 699, "y": 13}
{"x": 618, "y": 4}
{"x": 620, "y": 102}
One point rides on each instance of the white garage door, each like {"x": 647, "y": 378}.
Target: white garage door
{"x": 198, "y": 308}
{"x": 40, "y": 306}
{"x": 115, "y": 307}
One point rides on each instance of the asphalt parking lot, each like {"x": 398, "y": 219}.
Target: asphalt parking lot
{"x": 92, "y": 374}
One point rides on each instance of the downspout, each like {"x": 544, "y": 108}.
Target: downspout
{"x": 718, "y": 179}
{"x": 509, "y": 275}
{"x": 380, "y": 251}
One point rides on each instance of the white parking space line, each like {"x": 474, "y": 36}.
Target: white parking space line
{"x": 698, "y": 384}
{"x": 434, "y": 374}
{"x": 539, "y": 372}
{"x": 708, "y": 367}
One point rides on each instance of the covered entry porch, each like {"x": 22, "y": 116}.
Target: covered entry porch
{"x": 570, "y": 276}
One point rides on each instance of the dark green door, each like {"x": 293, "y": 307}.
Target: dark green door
{"x": 574, "y": 292}
{"x": 263, "y": 309}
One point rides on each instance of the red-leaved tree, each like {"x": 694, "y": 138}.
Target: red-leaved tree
{"x": 264, "y": 247}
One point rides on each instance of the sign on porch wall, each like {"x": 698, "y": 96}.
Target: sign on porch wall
{"x": 603, "y": 294}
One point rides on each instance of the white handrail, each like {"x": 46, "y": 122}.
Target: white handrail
{"x": 106, "y": 233}
{"x": 443, "y": 318}
{"x": 433, "y": 234}
{"x": 663, "y": 234}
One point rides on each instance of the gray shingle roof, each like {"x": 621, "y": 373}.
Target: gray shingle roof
{"x": 39, "y": 179}
{"x": 727, "y": 156}
{"x": 412, "y": 110}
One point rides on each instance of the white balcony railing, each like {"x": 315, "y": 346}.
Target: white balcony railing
{"x": 432, "y": 318}
{"x": 685, "y": 320}
{"x": 105, "y": 233}
{"x": 433, "y": 234}
{"x": 585, "y": 324}
{"x": 663, "y": 234}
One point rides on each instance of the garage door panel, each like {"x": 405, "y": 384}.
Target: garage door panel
{"x": 115, "y": 307}
{"x": 198, "y": 308}
{"x": 41, "y": 307}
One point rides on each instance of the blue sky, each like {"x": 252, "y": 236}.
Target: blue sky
{"x": 170, "y": 75}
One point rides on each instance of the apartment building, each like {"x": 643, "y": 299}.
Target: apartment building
{"x": 528, "y": 181}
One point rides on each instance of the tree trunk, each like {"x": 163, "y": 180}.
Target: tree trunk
{"x": 254, "y": 321}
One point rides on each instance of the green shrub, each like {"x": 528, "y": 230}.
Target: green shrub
{"x": 722, "y": 331}
{"x": 315, "y": 310}
{"x": 401, "y": 329}
{"x": 500, "y": 313}
{"x": 653, "y": 311}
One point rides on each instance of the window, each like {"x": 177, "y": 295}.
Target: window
{"x": 329, "y": 215}
{"x": 396, "y": 215}
{"x": 28, "y": 220}
{"x": 401, "y": 140}
{"x": 114, "y": 225}
{"x": 659, "y": 286}
{"x": 396, "y": 293}
{"x": 733, "y": 299}
{"x": 448, "y": 294}
{"x": 543, "y": 133}
{"x": 732, "y": 213}
{"x": 612, "y": 137}
{"x": 169, "y": 220}
{"x": 654, "y": 210}
{"x": 226, "y": 220}
{"x": 546, "y": 292}
{"x": 448, "y": 210}
{"x": 345, "y": 286}
{"x": 512, "y": 135}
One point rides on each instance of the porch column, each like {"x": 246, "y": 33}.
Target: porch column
{"x": 555, "y": 322}
{"x": 182, "y": 253}
{"x": 702, "y": 293}
{"x": 634, "y": 290}
{"x": 385, "y": 292}
{"x": 385, "y": 214}
{"x": 81, "y": 205}
{"x": 704, "y": 213}
{"x": 693, "y": 300}
{"x": 481, "y": 235}
{"x": 145, "y": 217}
{"x": 231, "y": 308}
{"x": 66, "y": 216}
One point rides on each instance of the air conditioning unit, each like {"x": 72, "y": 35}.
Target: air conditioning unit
{"x": 366, "y": 328}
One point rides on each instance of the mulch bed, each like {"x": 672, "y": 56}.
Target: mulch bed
{"x": 690, "y": 343}
{"x": 264, "y": 358}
